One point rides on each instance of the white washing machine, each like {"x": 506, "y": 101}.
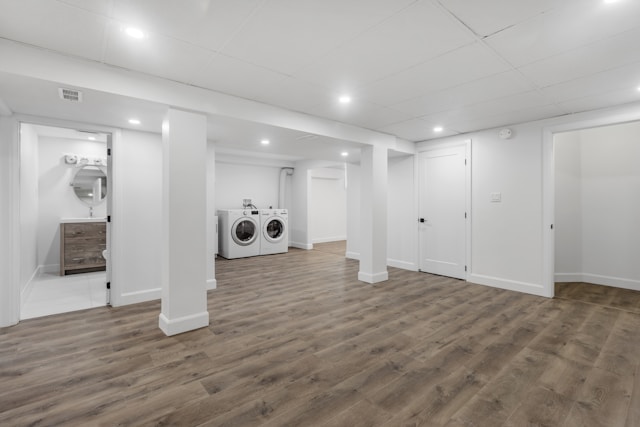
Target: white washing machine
{"x": 275, "y": 231}
{"x": 238, "y": 233}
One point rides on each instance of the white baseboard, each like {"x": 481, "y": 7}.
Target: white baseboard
{"x": 305, "y": 246}
{"x": 567, "y": 277}
{"x": 402, "y": 264}
{"x": 49, "y": 269}
{"x": 212, "y": 284}
{"x": 183, "y": 324}
{"x": 373, "y": 278}
{"x": 511, "y": 285}
{"x": 352, "y": 255}
{"x": 329, "y": 239}
{"x": 137, "y": 297}
{"x": 598, "y": 279}
{"x": 390, "y": 262}
{"x": 26, "y": 289}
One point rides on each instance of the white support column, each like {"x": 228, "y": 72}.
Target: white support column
{"x": 184, "y": 224}
{"x": 9, "y": 222}
{"x": 373, "y": 215}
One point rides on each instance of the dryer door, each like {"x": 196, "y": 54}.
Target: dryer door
{"x": 244, "y": 231}
{"x": 273, "y": 230}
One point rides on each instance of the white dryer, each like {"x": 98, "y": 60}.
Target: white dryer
{"x": 238, "y": 233}
{"x": 275, "y": 231}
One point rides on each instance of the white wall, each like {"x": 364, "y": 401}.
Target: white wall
{"x": 136, "y": 220}
{"x": 402, "y": 228}
{"x": 506, "y": 238}
{"x": 56, "y": 199}
{"x": 402, "y": 233}
{"x": 353, "y": 211}
{"x": 568, "y": 204}
{"x": 327, "y": 205}
{"x": 608, "y": 186}
{"x": 29, "y": 177}
{"x": 212, "y": 224}
{"x": 236, "y": 181}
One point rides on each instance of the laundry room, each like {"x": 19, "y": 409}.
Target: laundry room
{"x": 311, "y": 195}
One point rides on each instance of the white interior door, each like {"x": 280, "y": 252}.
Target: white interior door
{"x": 442, "y": 225}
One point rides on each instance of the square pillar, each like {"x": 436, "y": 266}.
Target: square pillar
{"x": 373, "y": 215}
{"x": 184, "y": 207}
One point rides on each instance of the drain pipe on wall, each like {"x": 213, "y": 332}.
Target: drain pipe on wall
{"x": 284, "y": 172}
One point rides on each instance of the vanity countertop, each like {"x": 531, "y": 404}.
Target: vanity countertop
{"x": 70, "y": 220}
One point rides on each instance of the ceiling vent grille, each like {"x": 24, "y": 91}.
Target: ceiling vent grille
{"x": 70, "y": 94}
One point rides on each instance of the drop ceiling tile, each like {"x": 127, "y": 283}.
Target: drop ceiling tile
{"x": 490, "y": 16}
{"x": 155, "y": 54}
{"x": 626, "y": 78}
{"x": 415, "y": 35}
{"x": 208, "y": 24}
{"x": 97, "y": 6}
{"x": 512, "y": 118}
{"x": 462, "y": 65}
{"x": 292, "y": 94}
{"x": 358, "y": 113}
{"x": 54, "y": 26}
{"x": 234, "y": 77}
{"x": 284, "y": 35}
{"x": 414, "y": 130}
{"x": 504, "y": 105}
{"x": 564, "y": 29}
{"x": 606, "y": 54}
{"x": 603, "y": 100}
{"x": 481, "y": 90}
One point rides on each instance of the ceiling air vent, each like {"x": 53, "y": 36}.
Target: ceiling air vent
{"x": 70, "y": 94}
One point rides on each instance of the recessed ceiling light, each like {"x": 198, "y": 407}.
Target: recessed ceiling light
{"x": 344, "y": 154}
{"x": 136, "y": 33}
{"x": 134, "y": 121}
{"x": 344, "y": 99}
{"x": 92, "y": 138}
{"x": 438, "y": 129}
{"x": 265, "y": 142}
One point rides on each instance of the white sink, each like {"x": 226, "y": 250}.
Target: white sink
{"x": 67, "y": 220}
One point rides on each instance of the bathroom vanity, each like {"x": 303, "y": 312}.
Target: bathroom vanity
{"x": 82, "y": 241}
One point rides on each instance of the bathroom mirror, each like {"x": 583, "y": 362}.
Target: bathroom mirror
{"x": 90, "y": 185}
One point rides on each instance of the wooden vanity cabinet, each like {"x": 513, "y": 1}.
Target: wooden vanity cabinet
{"x": 81, "y": 246}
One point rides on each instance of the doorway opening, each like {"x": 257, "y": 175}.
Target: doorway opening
{"x": 596, "y": 207}
{"x": 65, "y": 180}
{"x": 328, "y": 204}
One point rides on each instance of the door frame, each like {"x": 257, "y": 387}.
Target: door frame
{"x": 44, "y": 121}
{"x": 466, "y": 143}
{"x": 548, "y": 185}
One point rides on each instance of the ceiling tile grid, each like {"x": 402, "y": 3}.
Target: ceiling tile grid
{"x": 468, "y": 63}
{"x": 285, "y": 35}
{"x": 409, "y": 65}
{"x": 613, "y": 52}
{"x": 55, "y": 26}
{"x": 565, "y": 28}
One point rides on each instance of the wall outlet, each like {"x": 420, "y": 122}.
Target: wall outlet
{"x": 496, "y": 197}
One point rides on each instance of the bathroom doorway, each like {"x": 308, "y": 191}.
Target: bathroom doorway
{"x": 65, "y": 183}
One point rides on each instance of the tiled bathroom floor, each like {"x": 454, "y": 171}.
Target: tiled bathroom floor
{"x": 53, "y": 294}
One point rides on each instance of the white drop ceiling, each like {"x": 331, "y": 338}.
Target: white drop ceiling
{"x": 408, "y": 65}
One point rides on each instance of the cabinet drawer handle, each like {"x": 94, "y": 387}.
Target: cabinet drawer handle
{"x": 77, "y": 259}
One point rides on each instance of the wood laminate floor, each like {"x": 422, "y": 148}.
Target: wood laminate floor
{"x": 296, "y": 340}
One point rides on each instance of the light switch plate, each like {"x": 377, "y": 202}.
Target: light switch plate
{"x": 496, "y": 197}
